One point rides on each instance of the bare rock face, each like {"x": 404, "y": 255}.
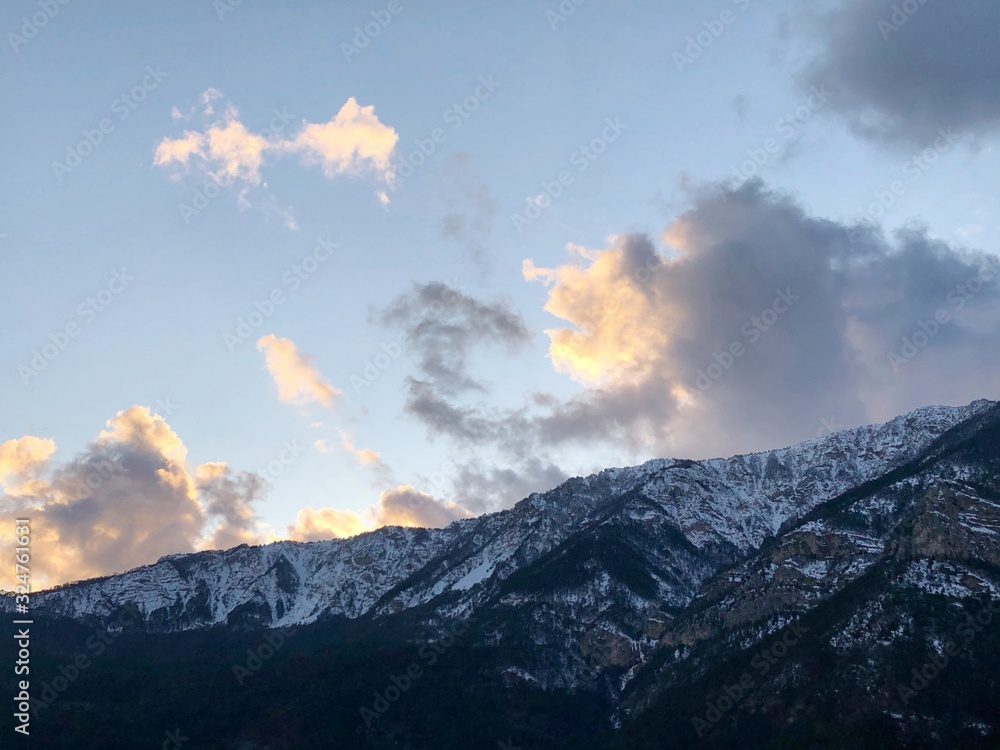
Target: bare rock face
{"x": 955, "y": 524}
{"x": 654, "y": 628}
{"x": 604, "y": 648}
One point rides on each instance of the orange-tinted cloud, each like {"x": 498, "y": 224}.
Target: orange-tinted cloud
{"x": 403, "y": 506}
{"x": 353, "y": 142}
{"x": 363, "y": 456}
{"x": 21, "y": 461}
{"x": 125, "y": 501}
{"x": 226, "y": 149}
{"x": 619, "y": 324}
{"x": 315, "y": 525}
{"x": 298, "y": 381}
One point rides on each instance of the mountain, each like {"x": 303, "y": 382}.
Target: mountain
{"x": 774, "y": 599}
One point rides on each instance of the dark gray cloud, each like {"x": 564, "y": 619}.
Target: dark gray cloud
{"x": 902, "y": 70}
{"x": 772, "y": 320}
{"x": 483, "y": 486}
{"x": 759, "y": 325}
{"x": 229, "y": 498}
{"x": 442, "y": 325}
{"x": 441, "y": 416}
{"x": 443, "y": 328}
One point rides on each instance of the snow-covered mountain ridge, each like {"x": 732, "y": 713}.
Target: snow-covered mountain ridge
{"x": 697, "y": 517}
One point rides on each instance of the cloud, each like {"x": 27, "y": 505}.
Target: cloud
{"x": 616, "y": 330}
{"x": 748, "y": 326}
{"x": 402, "y": 506}
{"x": 126, "y": 500}
{"x": 442, "y": 325}
{"x": 531, "y": 272}
{"x": 353, "y": 142}
{"x": 229, "y": 498}
{"x": 237, "y": 152}
{"x": 21, "y": 461}
{"x": 899, "y": 77}
{"x": 226, "y": 150}
{"x": 469, "y": 221}
{"x": 482, "y": 486}
{"x": 741, "y": 104}
{"x": 314, "y": 525}
{"x": 180, "y": 150}
{"x": 364, "y": 456}
{"x": 298, "y": 381}
{"x": 756, "y": 322}
{"x": 381, "y": 471}
{"x": 208, "y": 96}
{"x": 445, "y": 328}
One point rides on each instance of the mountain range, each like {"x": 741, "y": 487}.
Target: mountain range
{"x": 844, "y": 592}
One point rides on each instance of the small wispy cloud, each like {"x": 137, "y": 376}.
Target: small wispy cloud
{"x": 363, "y": 456}
{"x": 297, "y": 379}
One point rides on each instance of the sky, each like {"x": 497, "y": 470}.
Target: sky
{"x": 300, "y": 270}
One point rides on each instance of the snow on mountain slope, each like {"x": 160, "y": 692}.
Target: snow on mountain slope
{"x": 277, "y": 584}
{"x": 931, "y": 530}
{"x": 722, "y": 508}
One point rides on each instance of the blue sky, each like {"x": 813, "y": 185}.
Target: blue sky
{"x": 555, "y": 82}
